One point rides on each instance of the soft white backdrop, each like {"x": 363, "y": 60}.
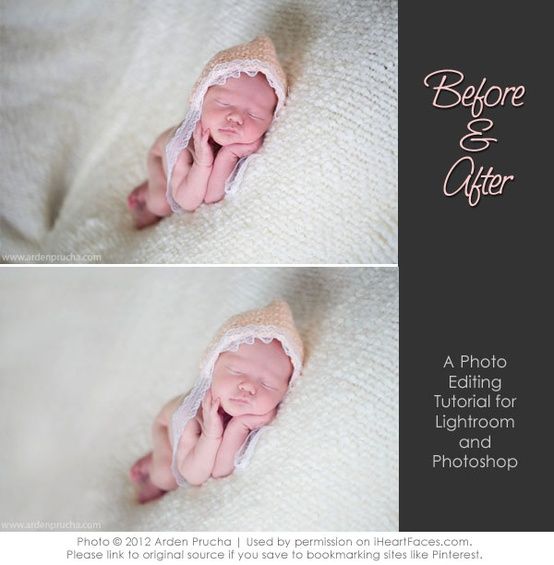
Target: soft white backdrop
{"x": 88, "y": 356}
{"x": 86, "y": 87}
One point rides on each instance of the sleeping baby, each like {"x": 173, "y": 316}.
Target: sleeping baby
{"x": 246, "y": 372}
{"x": 232, "y": 105}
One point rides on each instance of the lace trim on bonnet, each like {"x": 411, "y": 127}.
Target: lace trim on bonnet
{"x": 218, "y": 76}
{"x": 231, "y": 341}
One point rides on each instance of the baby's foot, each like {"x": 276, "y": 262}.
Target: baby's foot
{"x": 140, "y": 471}
{"x": 137, "y": 197}
{"x": 136, "y": 202}
{"x": 148, "y": 491}
{"x": 140, "y": 475}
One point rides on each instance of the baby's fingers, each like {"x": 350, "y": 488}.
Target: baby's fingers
{"x": 207, "y": 401}
{"x": 215, "y": 405}
{"x": 197, "y": 133}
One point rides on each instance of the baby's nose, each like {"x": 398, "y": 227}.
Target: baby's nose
{"x": 247, "y": 386}
{"x": 235, "y": 117}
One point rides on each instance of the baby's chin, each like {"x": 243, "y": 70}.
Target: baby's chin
{"x": 232, "y": 409}
{"x": 238, "y": 410}
{"x": 225, "y": 140}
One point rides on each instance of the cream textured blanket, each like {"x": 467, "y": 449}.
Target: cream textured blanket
{"x": 87, "y": 86}
{"x": 88, "y": 357}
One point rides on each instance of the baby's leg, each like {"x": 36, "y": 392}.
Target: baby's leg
{"x": 162, "y": 453}
{"x": 152, "y": 472}
{"x": 147, "y": 201}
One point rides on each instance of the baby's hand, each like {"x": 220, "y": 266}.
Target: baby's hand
{"x": 212, "y": 423}
{"x": 254, "y": 421}
{"x": 203, "y": 154}
{"x": 243, "y": 149}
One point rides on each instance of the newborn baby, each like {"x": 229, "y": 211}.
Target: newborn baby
{"x": 233, "y": 104}
{"x": 246, "y": 373}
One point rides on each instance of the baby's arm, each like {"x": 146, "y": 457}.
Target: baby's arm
{"x": 235, "y": 435}
{"x": 224, "y": 164}
{"x": 236, "y": 432}
{"x": 196, "y": 462}
{"x": 190, "y": 180}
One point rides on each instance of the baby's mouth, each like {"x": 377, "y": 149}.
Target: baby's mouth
{"x": 242, "y": 401}
{"x": 228, "y": 131}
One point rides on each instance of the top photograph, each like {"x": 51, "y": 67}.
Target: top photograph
{"x": 199, "y": 132}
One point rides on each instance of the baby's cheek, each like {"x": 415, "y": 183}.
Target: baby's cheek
{"x": 276, "y": 398}
{"x": 261, "y": 128}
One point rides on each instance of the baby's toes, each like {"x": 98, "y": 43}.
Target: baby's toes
{"x": 136, "y": 198}
{"x": 140, "y": 471}
{"x": 136, "y": 474}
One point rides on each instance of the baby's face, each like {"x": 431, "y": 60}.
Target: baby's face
{"x": 252, "y": 380}
{"x": 239, "y": 111}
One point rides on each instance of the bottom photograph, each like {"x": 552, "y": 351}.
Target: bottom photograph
{"x": 199, "y": 399}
